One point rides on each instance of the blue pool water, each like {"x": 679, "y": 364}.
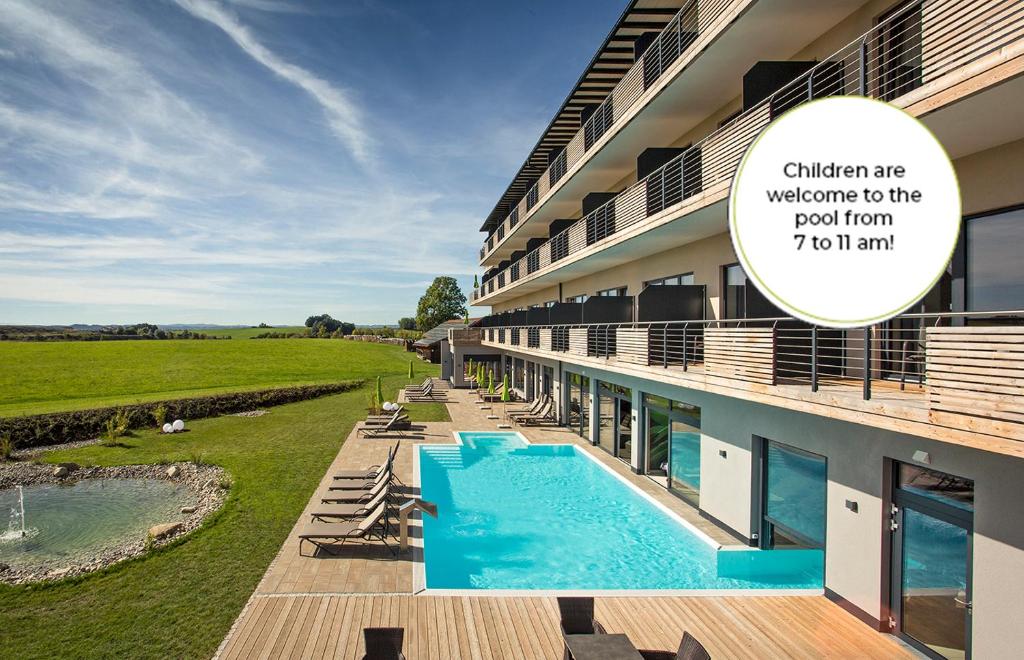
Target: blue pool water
{"x": 519, "y": 516}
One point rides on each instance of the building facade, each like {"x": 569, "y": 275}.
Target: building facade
{"x": 897, "y": 449}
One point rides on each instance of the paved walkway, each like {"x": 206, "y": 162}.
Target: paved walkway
{"x": 316, "y": 605}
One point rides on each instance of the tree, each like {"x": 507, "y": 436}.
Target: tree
{"x": 443, "y": 301}
{"x": 406, "y": 323}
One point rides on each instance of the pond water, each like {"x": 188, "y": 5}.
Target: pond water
{"x": 75, "y": 522}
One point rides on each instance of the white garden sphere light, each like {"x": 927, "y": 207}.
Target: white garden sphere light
{"x": 388, "y": 405}
{"x": 178, "y": 425}
{"x": 168, "y": 428}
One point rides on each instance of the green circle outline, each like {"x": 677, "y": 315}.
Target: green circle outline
{"x": 805, "y": 316}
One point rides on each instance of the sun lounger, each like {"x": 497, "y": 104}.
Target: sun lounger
{"x": 347, "y": 510}
{"x": 370, "y": 473}
{"x": 331, "y": 496}
{"x": 329, "y": 535}
{"x": 419, "y": 388}
{"x": 386, "y": 416}
{"x": 381, "y": 421}
{"x": 394, "y": 425}
{"x": 531, "y": 420}
{"x": 426, "y": 395}
{"x": 355, "y": 484}
{"x": 537, "y": 406}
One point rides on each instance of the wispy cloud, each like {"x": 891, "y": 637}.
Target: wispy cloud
{"x": 342, "y": 114}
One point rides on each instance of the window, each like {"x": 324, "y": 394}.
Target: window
{"x": 617, "y": 291}
{"x": 673, "y": 445}
{"x": 686, "y": 278}
{"x": 734, "y": 300}
{"x": 550, "y": 303}
{"x": 994, "y": 278}
{"x": 576, "y": 299}
{"x": 795, "y": 482}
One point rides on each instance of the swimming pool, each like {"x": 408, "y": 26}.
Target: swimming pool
{"x": 520, "y": 516}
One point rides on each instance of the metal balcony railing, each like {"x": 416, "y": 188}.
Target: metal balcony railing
{"x": 963, "y": 363}
{"x": 694, "y": 19}
{"x": 915, "y": 45}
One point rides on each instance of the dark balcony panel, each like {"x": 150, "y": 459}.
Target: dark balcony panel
{"x": 504, "y": 319}
{"x": 532, "y": 262}
{"x": 515, "y": 336}
{"x": 560, "y": 247}
{"x": 558, "y": 168}
{"x": 531, "y": 197}
{"x": 764, "y": 78}
{"x": 671, "y": 302}
{"x": 676, "y": 181}
{"x": 608, "y": 309}
{"x": 501, "y": 335}
{"x": 534, "y": 243}
{"x": 538, "y": 316}
{"x": 513, "y": 217}
{"x": 601, "y": 224}
{"x": 560, "y": 339}
{"x": 513, "y": 272}
{"x": 642, "y": 43}
{"x": 501, "y": 279}
{"x": 565, "y": 313}
{"x": 896, "y": 52}
{"x": 654, "y": 157}
{"x": 674, "y": 41}
{"x": 596, "y": 200}
{"x": 517, "y": 255}
{"x": 501, "y": 231}
{"x": 598, "y": 124}
{"x": 517, "y": 317}
{"x": 587, "y": 111}
{"x": 673, "y": 342}
{"x": 533, "y": 337}
{"x": 558, "y": 226}
{"x": 826, "y": 79}
{"x": 503, "y": 265}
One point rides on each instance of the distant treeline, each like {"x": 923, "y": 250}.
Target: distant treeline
{"x": 137, "y": 332}
{"x": 339, "y": 333}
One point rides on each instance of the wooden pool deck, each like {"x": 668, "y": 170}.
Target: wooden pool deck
{"x": 315, "y": 606}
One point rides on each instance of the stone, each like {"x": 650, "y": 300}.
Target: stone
{"x": 189, "y": 509}
{"x": 60, "y": 472}
{"x": 166, "y": 529}
{"x": 70, "y": 466}
{"x": 4, "y": 568}
{"x": 173, "y": 471}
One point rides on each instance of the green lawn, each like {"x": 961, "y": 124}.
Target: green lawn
{"x": 181, "y": 600}
{"x": 245, "y": 333}
{"x": 54, "y": 376}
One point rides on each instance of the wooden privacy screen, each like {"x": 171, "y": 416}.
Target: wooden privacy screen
{"x": 976, "y": 371}
{"x": 746, "y": 354}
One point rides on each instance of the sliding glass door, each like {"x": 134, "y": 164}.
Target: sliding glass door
{"x": 933, "y": 517}
{"x": 673, "y": 446}
{"x": 578, "y": 406}
{"x": 616, "y": 420}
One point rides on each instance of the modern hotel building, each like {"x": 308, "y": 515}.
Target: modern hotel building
{"x": 897, "y": 449}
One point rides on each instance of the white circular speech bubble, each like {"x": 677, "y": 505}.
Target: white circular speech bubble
{"x": 845, "y": 211}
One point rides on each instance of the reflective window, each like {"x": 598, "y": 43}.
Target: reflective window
{"x": 995, "y": 281}
{"x": 734, "y": 306}
{"x": 617, "y": 291}
{"x": 686, "y": 278}
{"x": 795, "y": 485}
{"x": 938, "y": 486}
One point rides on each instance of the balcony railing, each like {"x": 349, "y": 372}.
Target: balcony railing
{"x": 914, "y": 46}
{"x": 966, "y": 363}
{"x": 694, "y": 19}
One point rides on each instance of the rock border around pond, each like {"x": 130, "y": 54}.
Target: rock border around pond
{"x": 205, "y": 481}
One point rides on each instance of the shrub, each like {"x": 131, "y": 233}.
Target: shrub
{"x": 6, "y": 447}
{"x": 197, "y": 458}
{"x": 55, "y": 428}
{"x": 160, "y": 415}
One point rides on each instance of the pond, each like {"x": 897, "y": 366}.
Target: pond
{"x": 73, "y": 523}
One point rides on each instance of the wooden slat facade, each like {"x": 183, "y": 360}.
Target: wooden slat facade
{"x": 976, "y": 371}
{"x": 746, "y": 354}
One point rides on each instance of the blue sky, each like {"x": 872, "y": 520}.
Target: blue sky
{"x": 255, "y": 161}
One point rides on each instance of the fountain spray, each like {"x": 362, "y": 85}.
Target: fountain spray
{"x": 21, "y": 503}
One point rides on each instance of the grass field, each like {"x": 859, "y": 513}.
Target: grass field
{"x": 54, "y": 376}
{"x": 246, "y": 333}
{"x": 181, "y": 600}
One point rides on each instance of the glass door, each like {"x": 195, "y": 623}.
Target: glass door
{"x": 616, "y": 420}
{"x": 932, "y": 520}
{"x": 607, "y": 411}
{"x": 624, "y": 429}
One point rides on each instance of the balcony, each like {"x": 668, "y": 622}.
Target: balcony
{"x": 902, "y": 60}
{"x": 954, "y": 377}
{"x": 465, "y": 336}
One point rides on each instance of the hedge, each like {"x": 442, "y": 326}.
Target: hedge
{"x": 57, "y": 428}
